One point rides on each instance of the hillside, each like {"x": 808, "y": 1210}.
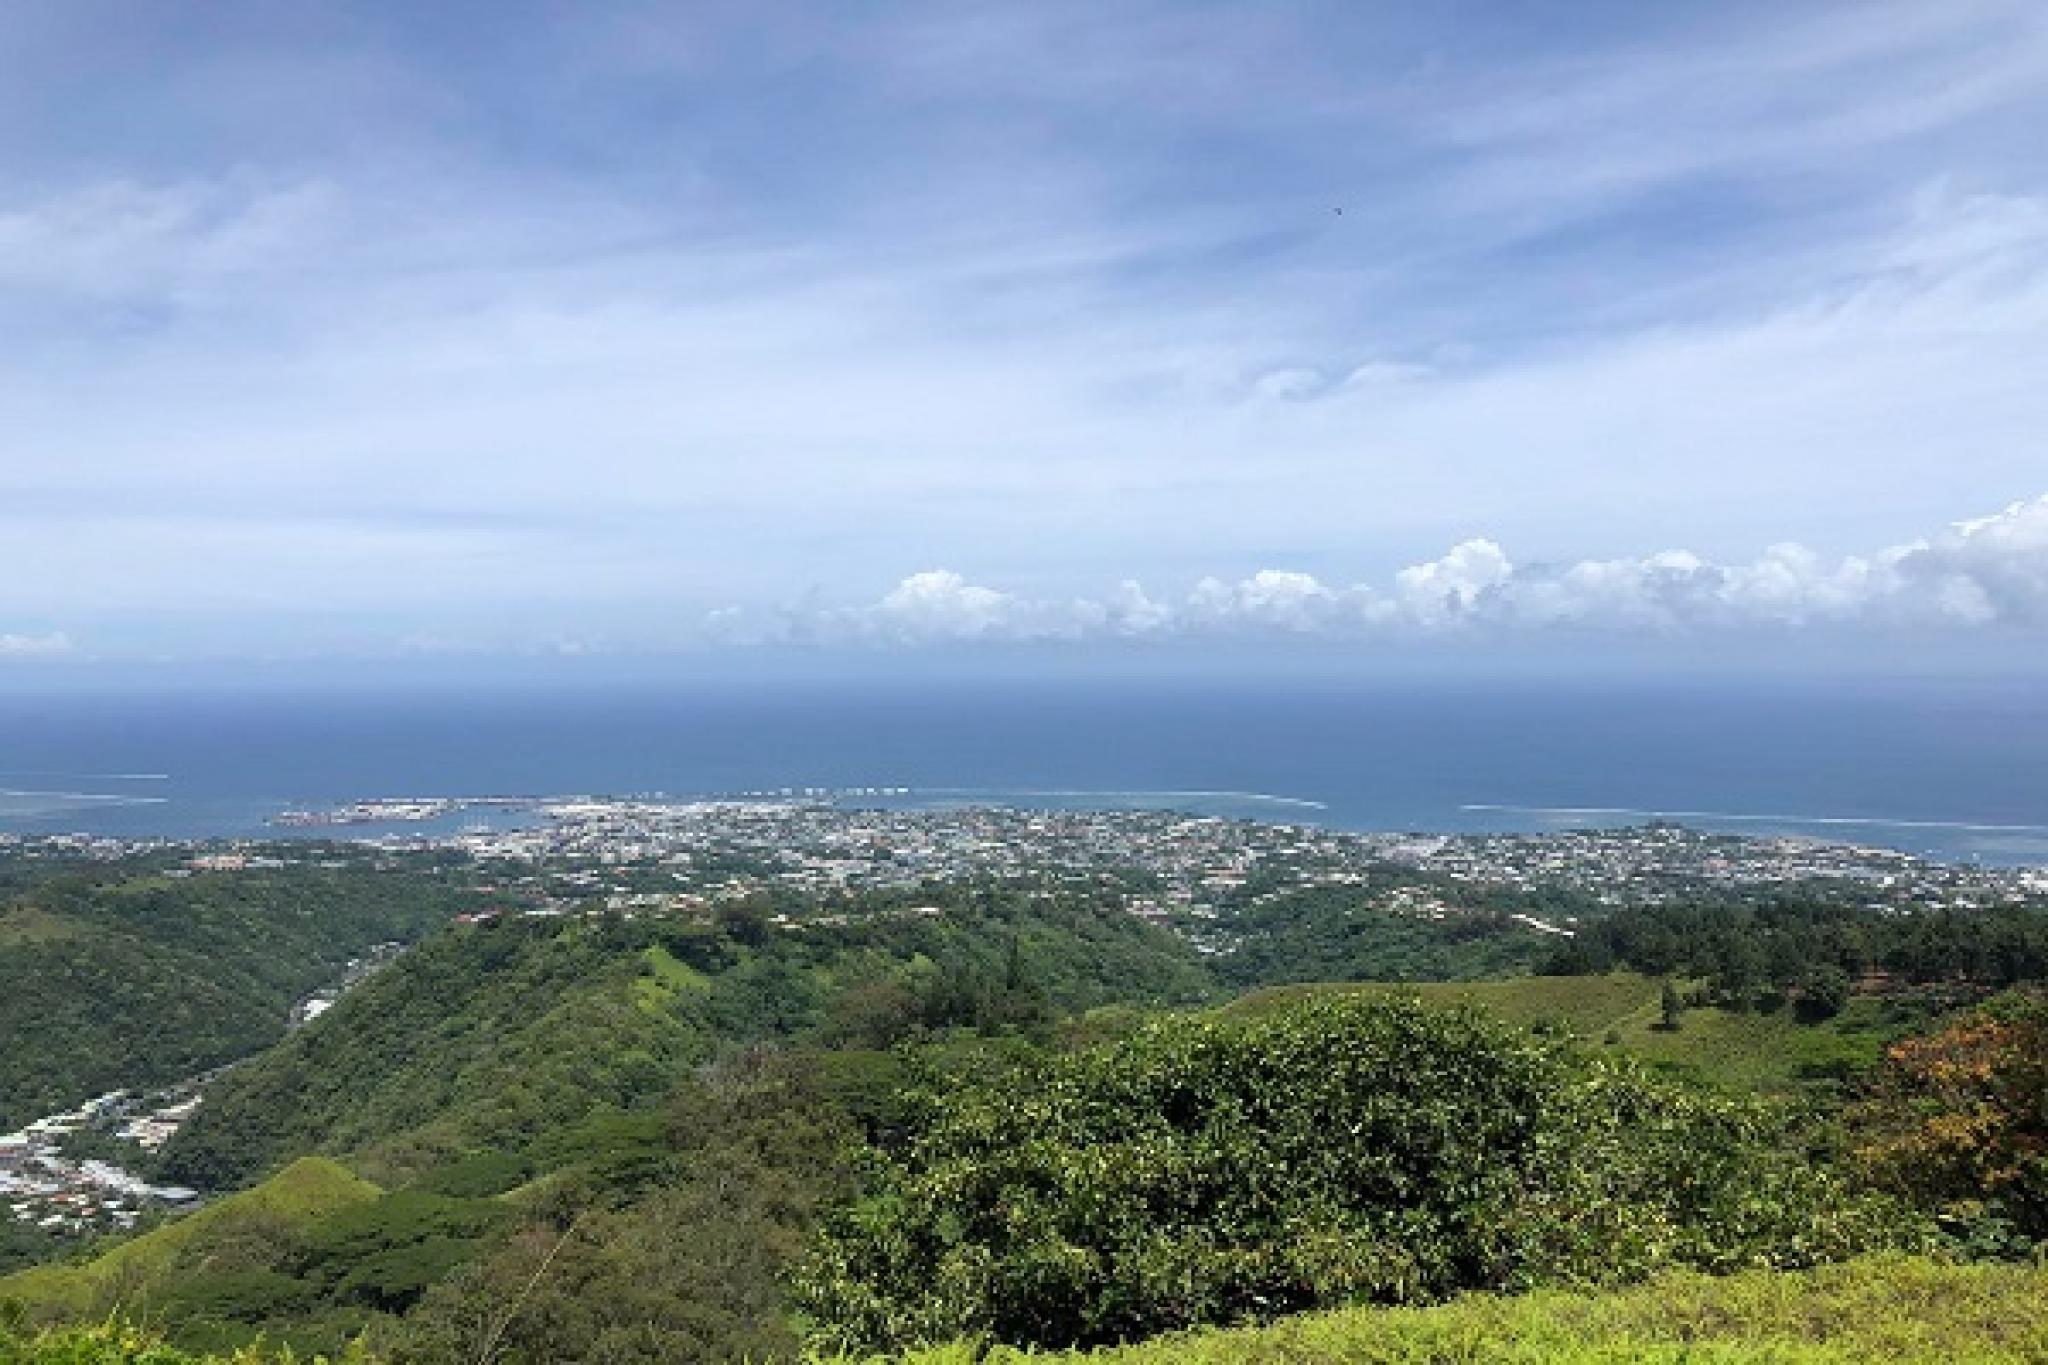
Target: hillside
{"x": 142, "y": 972}
{"x": 298, "y": 1197}
{"x": 503, "y": 1070}
{"x": 490, "y": 1036}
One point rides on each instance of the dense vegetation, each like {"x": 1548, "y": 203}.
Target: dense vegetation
{"x": 1810, "y": 946}
{"x": 1286, "y": 1154}
{"x": 494, "y": 1035}
{"x": 1781, "y": 1050}
{"x": 1345, "y": 933}
{"x": 1343, "y": 1150}
{"x": 1959, "y": 1118}
{"x": 1003, "y": 1113}
{"x": 693, "y": 1264}
{"x": 132, "y": 974}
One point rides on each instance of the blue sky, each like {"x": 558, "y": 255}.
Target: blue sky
{"x": 375, "y": 330}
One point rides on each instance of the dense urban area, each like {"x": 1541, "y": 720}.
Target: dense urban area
{"x": 632, "y": 853}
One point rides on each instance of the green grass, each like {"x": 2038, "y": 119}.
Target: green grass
{"x": 1879, "y": 1309}
{"x": 1895, "y": 1309}
{"x": 1587, "y": 1003}
{"x": 302, "y": 1193}
{"x": 25, "y": 924}
{"x": 666, "y": 976}
{"x": 1749, "y": 1051}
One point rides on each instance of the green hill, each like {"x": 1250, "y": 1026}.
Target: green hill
{"x": 299, "y": 1196}
{"x": 926, "y": 1109}
{"x": 142, "y": 971}
{"x": 495, "y": 1035}
{"x": 479, "y": 1038}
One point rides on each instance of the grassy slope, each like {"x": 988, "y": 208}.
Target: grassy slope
{"x": 1882, "y": 1309}
{"x": 667, "y": 978}
{"x": 1751, "y": 1051}
{"x": 28, "y": 924}
{"x": 303, "y": 1193}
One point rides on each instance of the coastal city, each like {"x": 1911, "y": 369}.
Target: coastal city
{"x": 635, "y": 853}
{"x": 830, "y": 842}
{"x": 577, "y": 849}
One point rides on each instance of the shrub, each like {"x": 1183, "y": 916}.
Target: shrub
{"x": 1824, "y": 993}
{"x": 1959, "y": 1118}
{"x": 1217, "y": 1170}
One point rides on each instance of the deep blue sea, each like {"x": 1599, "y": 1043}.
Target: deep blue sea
{"x": 1954, "y": 769}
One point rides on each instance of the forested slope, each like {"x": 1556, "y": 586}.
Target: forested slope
{"x": 490, "y": 1035}
{"x": 136, "y": 973}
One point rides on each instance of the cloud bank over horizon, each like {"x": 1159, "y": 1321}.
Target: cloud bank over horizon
{"x": 1990, "y": 571}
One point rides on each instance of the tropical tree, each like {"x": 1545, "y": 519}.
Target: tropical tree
{"x": 1959, "y": 1117}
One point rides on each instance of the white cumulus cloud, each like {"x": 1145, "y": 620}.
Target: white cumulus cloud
{"x": 1989, "y": 571}
{"x": 939, "y": 604}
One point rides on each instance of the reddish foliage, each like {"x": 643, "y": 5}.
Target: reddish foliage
{"x": 1961, "y": 1115}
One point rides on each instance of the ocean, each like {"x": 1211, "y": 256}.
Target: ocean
{"x": 1954, "y": 769}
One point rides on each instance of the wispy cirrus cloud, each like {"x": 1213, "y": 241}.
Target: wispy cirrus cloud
{"x": 49, "y": 645}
